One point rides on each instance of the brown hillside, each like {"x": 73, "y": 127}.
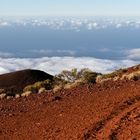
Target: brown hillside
{"x": 16, "y": 81}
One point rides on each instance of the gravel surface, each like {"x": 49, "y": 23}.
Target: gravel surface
{"x": 91, "y": 112}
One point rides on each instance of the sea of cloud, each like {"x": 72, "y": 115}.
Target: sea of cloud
{"x": 55, "y": 65}
{"x": 133, "y": 54}
{"x": 73, "y": 23}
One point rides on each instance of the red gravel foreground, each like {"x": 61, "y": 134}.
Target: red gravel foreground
{"x": 91, "y": 112}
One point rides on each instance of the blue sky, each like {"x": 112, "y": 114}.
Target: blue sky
{"x": 69, "y": 7}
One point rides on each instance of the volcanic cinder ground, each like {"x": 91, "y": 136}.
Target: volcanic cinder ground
{"x": 92, "y": 112}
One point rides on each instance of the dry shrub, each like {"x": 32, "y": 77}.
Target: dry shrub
{"x": 103, "y": 81}
{"x": 17, "y": 96}
{"x": 116, "y": 78}
{"x": 131, "y": 76}
{"x": 70, "y": 85}
{"x": 137, "y": 67}
{"x": 67, "y": 75}
{"x": 30, "y": 88}
{"x": 2, "y": 91}
{"x": 75, "y": 84}
{"x": 9, "y": 97}
{"x": 100, "y": 79}
{"x": 3, "y": 95}
{"x": 124, "y": 77}
{"x": 73, "y": 78}
{"x": 47, "y": 85}
{"x": 90, "y": 77}
{"x": 74, "y": 74}
{"x": 41, "y": 90}
{"x": 110, "y": 75}
{"x": 57, "y": 88}
{"x": 26, "y": 94}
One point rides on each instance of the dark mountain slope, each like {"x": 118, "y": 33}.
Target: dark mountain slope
{"x": 16, "y": 81}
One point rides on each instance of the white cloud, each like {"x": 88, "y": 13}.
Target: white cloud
{"x": 118, "y": 25}
{"x": 76, "y": 24}
{"x": 5, "y": 54}
{"x": 69, "y": 52}
{"x": 91, "y": 26}
{"x": 4, "y": 23}
{"x": 52, "y": 52}
{"x": 54, "y": 65}
{"x": 133, "y": 53}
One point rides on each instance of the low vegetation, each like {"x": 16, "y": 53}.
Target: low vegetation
{"x": 68, "y": 79}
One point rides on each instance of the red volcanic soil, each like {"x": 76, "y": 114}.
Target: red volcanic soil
{"x": 16, "y": 81}
{"x": 91, "y": 112}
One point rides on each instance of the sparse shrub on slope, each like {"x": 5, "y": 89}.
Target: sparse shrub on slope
{"x": 115, "y": 73}
{"x": 30, "y": 88}
{"x": 89, "y": 76}
{"x": 2, "y": 95}
{"x": 2, "y": 91}
{"x": 67, "y": 75}
{"x": 41, "y": 90}
{"x": 57, "y": 88}
{"x": 74, "y": 74}
{"x": 123, "y": 70}
{"x": 132, "y": 76}
{"x": 47, "y": 84}
{"x": 26, "y": 93}
{"x": 114, "y": 76}
{"x": 17, "y": 95}
{"x": 110, "y": 75}
{"x": 137, "y": 67}
{"x": 69, "y": 79}
{"x": 58, "y": 83}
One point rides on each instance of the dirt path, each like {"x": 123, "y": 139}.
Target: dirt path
{"x": 108, "y": 112}
{"x": 110, "y": 127}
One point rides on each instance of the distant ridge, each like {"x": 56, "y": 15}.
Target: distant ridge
{"x": 16, "y": 81}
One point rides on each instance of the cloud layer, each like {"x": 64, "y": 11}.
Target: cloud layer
{"x": 55, "y": 65}
{"x": 71, "y": 23}
{"x": 133, "y": 54}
